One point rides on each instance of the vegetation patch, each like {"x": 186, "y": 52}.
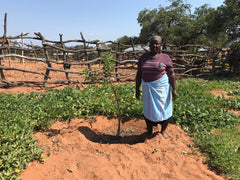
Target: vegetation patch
{"x": 205, "y": 117}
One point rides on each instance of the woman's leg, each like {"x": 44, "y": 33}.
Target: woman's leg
{"x": 164, "y": 125}
{"x": 149, "y": 126}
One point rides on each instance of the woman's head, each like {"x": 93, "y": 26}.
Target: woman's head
{"x": 155, "y": 44}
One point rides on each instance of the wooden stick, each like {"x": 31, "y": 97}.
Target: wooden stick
{"x": 4, "y": 39}
{"x": 22, "y": 48}
{"x": 23, "y": 70}
{"x": 46, "y": 55}
{"x": 64, "y": 58}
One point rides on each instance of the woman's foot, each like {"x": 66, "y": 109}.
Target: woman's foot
{"x": 164, "y": 127}
{"x": 149, "y": 130}
{"x": 149, "y": 127}
{"x": 164, "y": 134}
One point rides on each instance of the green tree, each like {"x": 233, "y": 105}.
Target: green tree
{"x": 175, "y": 23}
{"x": 215, "y": 31}
{"x": 228, "y": 20}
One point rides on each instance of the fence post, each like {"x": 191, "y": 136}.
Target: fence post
{"x": 117, "y": 57}
{"x": 85, "y": 52}
{"x": 8, "y": 52}
{"x": 65, "y": 66}
{"x": 35, "y": 54}
{"x": 4, "y": 39}
{"x": 47, "y": 57}
{"x": 22, "y": 60}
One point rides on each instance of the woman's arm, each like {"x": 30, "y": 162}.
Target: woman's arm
{"x": 172, "y": 81}
{"x": 138, "y": 83}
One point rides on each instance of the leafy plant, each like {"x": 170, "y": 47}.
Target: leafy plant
{"x": 105, "y": 78}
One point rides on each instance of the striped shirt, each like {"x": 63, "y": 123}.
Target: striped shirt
{"x": 153, "y": 68}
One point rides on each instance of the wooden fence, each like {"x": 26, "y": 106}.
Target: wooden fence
{"x": 59, "y": 57}
{"x": 56, "y": 56}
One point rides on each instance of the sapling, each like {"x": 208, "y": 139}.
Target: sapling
{"x": 105, "y": 78}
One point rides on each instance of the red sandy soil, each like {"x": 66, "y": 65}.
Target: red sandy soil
{"x": 88, "y": 149}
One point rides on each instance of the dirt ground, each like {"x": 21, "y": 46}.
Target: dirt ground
{"x": 88, "y": 149}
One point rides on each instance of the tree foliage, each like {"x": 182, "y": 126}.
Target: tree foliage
{"x": 175, "y": 23}
{"x": 178, "y": 25}
{"x": 229, "y": 20}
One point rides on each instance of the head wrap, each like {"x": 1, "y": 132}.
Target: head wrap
{"x": 155, "y": 38}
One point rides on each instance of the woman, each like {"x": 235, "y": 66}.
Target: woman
{"x": 156, "y": 73}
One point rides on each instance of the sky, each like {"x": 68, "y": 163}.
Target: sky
{"x": 102, "y": 20}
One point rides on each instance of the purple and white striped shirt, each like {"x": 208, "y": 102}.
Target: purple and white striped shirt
{"x": 153, "y": 68}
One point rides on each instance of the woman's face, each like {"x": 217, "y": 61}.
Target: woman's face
{"x": 155, "y": 47}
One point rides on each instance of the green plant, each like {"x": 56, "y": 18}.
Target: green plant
{"x": 105, "y": 78}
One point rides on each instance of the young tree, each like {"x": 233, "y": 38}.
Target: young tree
{"x": 105, "y": 78}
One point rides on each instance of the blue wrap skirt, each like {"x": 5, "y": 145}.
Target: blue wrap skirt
{"x": 157, "y": 99}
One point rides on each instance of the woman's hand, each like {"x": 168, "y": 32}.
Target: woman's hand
{"x": 138, "y": 83}
{"x": 137, "y": 94}
{"x": 174, "y": 95}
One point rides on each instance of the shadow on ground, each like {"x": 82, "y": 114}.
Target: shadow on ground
{"x": 127, "y": 136}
